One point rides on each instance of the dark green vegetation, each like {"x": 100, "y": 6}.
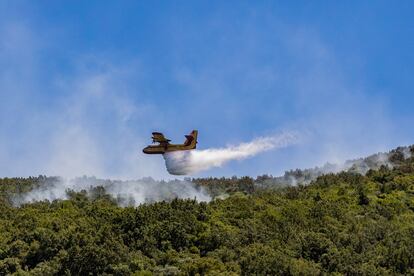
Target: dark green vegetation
{"x": 343, "y": 223}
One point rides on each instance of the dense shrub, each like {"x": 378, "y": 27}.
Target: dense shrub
{"x": 345, "y": 223}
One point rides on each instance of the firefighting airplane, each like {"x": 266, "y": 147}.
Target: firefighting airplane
{"x": 165, "y": 146}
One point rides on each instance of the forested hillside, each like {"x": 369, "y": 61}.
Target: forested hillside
{"x": 354, "y": 222}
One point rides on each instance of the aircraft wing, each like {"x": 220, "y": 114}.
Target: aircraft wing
{"x": 159, "y": 137}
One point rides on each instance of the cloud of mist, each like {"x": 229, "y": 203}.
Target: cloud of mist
{"x": 190, "y": 162}
{"x": 126, "y": 193}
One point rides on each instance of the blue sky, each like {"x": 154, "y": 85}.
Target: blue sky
{"x": 84, "y": 83}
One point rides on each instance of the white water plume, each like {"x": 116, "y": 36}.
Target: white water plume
{"x": 190, "y": 162}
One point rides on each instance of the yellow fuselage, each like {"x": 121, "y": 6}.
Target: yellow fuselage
{"x": 161, "y": 149}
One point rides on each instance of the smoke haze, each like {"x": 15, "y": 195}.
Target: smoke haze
{"x": 190, "y": 162}
{"x": 126, "y": 193}
{"x": 145, "y": 190}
